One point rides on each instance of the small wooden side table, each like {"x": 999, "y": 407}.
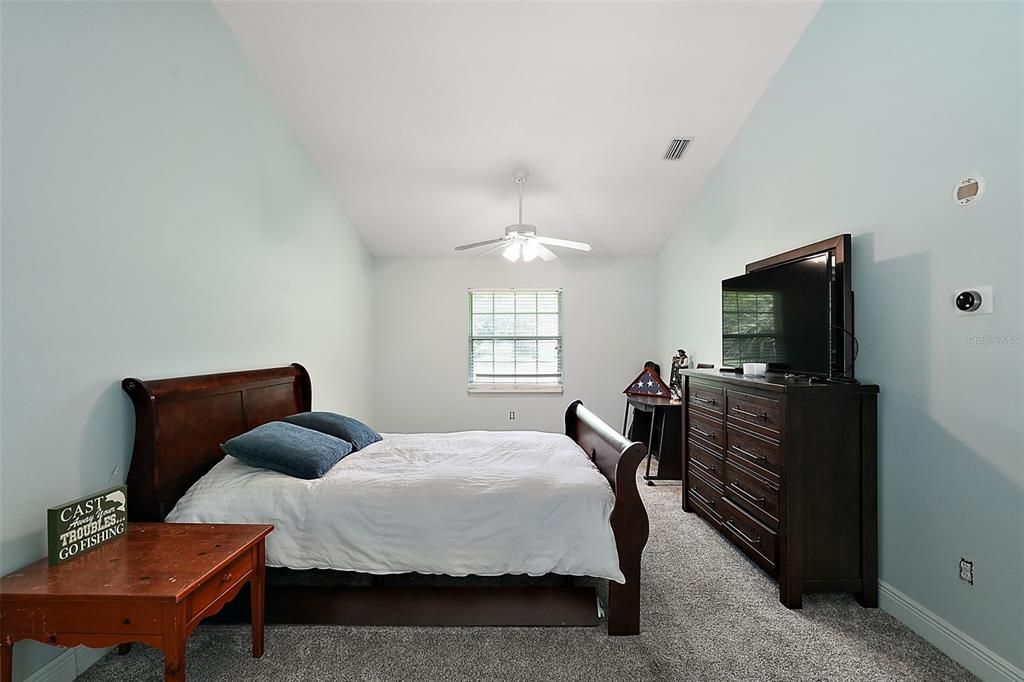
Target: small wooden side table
{"x": 153, "y": 585}
{"x": 659, "y": 415}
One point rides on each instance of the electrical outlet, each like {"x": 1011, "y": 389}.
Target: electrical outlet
{"x": 511, "y": 415}
{"x": 967, "y": 571}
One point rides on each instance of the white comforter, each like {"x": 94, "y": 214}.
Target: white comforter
{"x": 470, "y": 503}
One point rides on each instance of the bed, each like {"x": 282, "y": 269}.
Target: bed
{"x": 467, "y": 504}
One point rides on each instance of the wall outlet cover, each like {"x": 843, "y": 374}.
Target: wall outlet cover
{"x": 967, "y": 571}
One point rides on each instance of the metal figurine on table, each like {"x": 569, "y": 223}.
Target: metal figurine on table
{"x": 679, "y": 363}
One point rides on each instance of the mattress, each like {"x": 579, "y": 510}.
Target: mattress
{"x": 468, "y": 503}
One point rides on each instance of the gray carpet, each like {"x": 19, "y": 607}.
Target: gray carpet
{"x": 708, "y": 614}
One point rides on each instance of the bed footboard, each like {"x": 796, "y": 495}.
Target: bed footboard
{"x": 617, "y": 458}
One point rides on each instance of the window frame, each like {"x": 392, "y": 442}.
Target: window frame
{"x": 552, "y": 387}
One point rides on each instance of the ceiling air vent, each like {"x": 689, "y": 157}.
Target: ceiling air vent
{"x": 677, "y": 147}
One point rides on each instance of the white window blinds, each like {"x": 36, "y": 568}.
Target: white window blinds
{"x": 515, "y": 339}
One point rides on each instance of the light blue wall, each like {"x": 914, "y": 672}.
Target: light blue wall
{"x": 879, "y": 110}
{"x": 159, "y": 218}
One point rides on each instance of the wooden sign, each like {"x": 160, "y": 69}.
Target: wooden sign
{"x": 78, "y": 526}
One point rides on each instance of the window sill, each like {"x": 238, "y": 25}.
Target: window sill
{"x": 477, "y": 389}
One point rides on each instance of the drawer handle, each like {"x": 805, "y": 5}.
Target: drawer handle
{"x": 749, "y": 540}
{"x": 756, "y": 500}
{"x": 755, "y": 415}
{"x": 696, "y": 493}
{"x": 703, "y": 400}
{"x": 709, "y": 436}
{"x": 226, "y": 578}
{"x": 701, "y": 464}
{"x": 751, "y": 455}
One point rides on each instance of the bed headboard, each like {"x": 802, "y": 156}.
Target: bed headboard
{"x": 180, "y": 424}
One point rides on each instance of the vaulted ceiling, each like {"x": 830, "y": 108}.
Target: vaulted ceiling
{"x": 417, "y": 113}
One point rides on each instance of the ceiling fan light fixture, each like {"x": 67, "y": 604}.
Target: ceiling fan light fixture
{"x": 530, "y": 250}
{"x": 512, "y": 251}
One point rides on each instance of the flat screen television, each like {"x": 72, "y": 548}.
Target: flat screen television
{"x": 786, "y": 315}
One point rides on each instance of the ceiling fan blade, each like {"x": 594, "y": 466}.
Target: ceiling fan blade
{"x": 499, "y": 247}
{"x": 565, "y": 243}
{"x": 545, "y": 253}
{"x": 476, "y": 244}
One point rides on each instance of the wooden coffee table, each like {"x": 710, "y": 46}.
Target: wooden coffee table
{"x": 153, "y": 585}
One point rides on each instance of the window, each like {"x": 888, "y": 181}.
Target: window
{"x": 515, "y": 340}
{"x": 750, "y": 327}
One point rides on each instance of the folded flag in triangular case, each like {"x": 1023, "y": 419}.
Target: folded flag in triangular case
{"x": 648, "y": 383}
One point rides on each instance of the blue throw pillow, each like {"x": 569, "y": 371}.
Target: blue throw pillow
{"x": 339, "y": 426}
{"x": 289, "y": 449}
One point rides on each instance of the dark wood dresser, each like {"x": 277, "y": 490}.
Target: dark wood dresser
{"x": 785, "y": 468}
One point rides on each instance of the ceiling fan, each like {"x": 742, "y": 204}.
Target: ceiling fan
{"x": 521, "y": 240}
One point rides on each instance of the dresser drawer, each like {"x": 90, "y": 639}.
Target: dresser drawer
{"x": 709, "y": 464}
{"x": 751, "y": 450}
{"x": 705, "y": 490}
{"x": 707, "y": 397}
{"x": 218, "y": 584}
{"x": 752, "y": 536}
{"x": 759, "y": 414}
{"x": 709, "y": 431}
{"x": 752, "y": 492}
{"x": 704, "y": 498}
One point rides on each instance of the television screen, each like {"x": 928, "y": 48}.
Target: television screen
{"x": 780, "y": 315}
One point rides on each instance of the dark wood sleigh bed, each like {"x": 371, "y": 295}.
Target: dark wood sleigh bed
{"x": 180, "y": 424}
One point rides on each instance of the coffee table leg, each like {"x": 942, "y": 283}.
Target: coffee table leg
{"x": 257, "y": 587}
{"x": 6, "y": 654}
{"x": 174, "y": 658}
{"x": 174, "y": 638}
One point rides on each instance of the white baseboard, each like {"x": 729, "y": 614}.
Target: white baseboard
{"x": 949, "y": 639}
{"x": 68, "y": 665}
